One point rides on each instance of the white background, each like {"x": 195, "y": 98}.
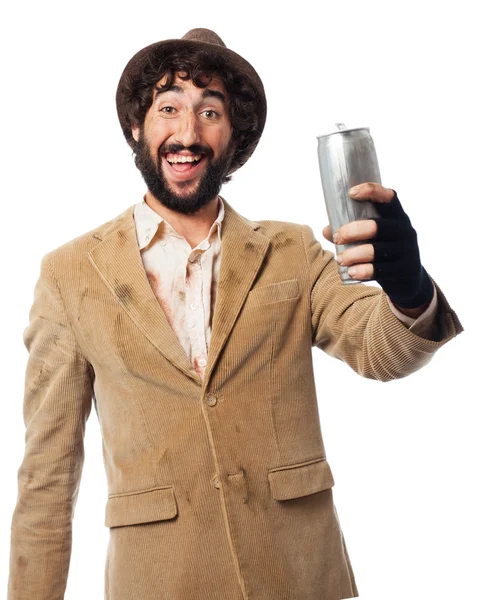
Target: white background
{"x": 404, "y": 453}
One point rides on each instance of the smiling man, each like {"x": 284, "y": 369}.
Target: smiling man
{"x": 184, "y": 150}
{"x": 190, "y": 329}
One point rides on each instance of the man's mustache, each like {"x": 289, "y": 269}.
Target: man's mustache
{"x": 194, "y": 149}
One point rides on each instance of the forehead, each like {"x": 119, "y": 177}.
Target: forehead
{"x": 215, "y": 83}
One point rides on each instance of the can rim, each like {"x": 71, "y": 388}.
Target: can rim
{"x": 341, "y": 131}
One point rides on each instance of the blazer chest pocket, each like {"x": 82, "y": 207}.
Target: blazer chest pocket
{"x": 274, "y": 292}
{"x": 156, "y": 504}
{"x": 301, "y": 479}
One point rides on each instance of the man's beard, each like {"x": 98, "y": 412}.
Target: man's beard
{"x": 206, "y": 189}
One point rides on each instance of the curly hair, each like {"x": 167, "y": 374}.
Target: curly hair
{"x": 199, "y": 66}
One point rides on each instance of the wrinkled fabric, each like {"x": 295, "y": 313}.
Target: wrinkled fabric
{"x": 217, "y": 486}
{"x": 185, "y": 282}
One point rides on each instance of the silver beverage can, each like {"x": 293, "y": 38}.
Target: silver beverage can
{"x": 347, "y": 157}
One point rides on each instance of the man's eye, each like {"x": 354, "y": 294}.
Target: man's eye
{"x": 212, "y": 111}
{"x": 169, "y": 110}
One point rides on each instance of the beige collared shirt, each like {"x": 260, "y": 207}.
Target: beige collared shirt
{"x": 185, "y": 281}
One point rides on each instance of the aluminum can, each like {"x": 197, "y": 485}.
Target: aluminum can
{"x": 347, "y": 157}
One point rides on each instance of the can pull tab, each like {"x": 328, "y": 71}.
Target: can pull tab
{"x": 340, "y": 126}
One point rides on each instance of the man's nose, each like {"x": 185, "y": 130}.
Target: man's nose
{"x": 187, "y": 132}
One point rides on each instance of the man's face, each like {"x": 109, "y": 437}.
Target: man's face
{"x": 185, "y": 121}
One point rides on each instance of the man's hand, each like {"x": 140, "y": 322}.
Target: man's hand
{"x": 392, "y": 255}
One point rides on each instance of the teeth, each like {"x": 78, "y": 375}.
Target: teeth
{"x": 183, "y": 159}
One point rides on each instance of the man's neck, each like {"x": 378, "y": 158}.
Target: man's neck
{"x": 194, "y": 228}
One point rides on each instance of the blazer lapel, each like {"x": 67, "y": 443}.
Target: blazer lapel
{"x": 117, "y": 260}
{"x": 242, "y": 252}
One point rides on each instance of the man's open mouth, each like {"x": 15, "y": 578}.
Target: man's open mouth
{"x": 184, "y": 163}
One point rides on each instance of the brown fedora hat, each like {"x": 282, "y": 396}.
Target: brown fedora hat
{"x": 204, "y": 39}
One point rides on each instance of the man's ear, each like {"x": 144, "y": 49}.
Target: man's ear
{"x": 135, "y": 132}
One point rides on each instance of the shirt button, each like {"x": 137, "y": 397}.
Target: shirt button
{"x": 193, "y": 306}
{"x": 211, "y": 399}
{"x": 202, "y": 362}
{"x": 162, "y": 243}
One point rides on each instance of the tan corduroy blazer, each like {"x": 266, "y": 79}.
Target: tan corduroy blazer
{"x": 217, "y": 489}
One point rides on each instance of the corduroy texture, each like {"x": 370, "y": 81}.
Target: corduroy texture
{"x": 218, "y": 489}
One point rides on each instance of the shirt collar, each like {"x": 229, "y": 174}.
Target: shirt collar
{"x": 147, "y": 222}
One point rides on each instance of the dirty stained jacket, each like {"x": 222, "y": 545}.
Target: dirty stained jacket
{"x": 185, "y": 281}
{"x": 218, "y": 481}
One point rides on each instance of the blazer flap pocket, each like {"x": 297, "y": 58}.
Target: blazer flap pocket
{"x": 157, "y": 504}
{"x": 281, "y": 290}
{"x": 301, "y": 479}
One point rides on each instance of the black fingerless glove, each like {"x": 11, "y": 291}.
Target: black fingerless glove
{"x": 397, "y": 264}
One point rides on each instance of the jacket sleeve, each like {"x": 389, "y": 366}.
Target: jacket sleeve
{"x": 56, "y": 405}
{"x": 354, "y": 322}
{"x": 425, "y": 324}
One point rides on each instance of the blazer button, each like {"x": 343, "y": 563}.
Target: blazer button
{"x": 216, "y": 481}
{"x": 211, "y": 399}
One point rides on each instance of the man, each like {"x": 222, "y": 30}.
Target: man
{"x": 191, "y": 327}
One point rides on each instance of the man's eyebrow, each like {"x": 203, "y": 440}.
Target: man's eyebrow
{"x": 207, "y": 93}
